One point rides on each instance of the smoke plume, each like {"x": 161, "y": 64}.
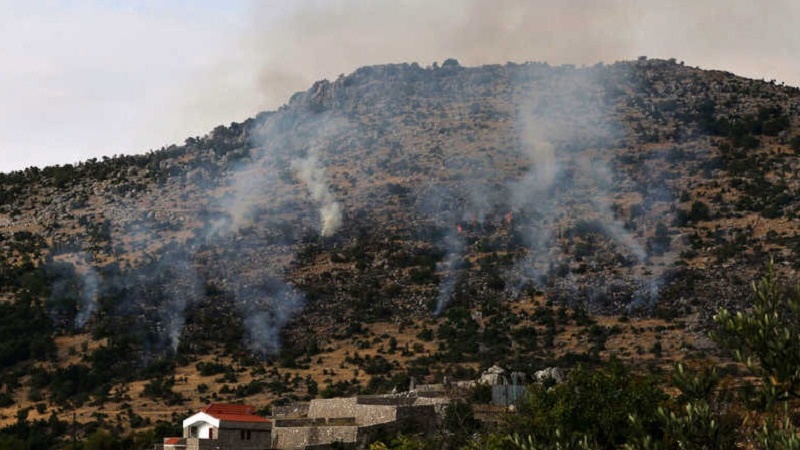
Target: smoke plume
{"x": 566, "y": 131}
{"x": 266, "y": 309}
{"x": 312, "y": 174}
{"x": 181, "y": 288}
{"x": 90, "y": 283}
{"x": 441, "y": 205}
{"x": 288, "y": 151}
{"x": 74, "y": 289}
{"x": 449, "y": 267}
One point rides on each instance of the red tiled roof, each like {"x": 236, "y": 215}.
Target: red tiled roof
{"x": 172, "y": 440}
{"x": 233, "y": 413}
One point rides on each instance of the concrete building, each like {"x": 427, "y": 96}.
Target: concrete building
{"x": 507, "y": 388}
{"x": 222, "y": 426}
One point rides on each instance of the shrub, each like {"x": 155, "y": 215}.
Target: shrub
{"x": 767, "y": 339}
{"x": 591, "y": 405}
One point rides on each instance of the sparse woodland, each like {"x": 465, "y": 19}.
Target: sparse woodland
{"x": 405, "y": 222}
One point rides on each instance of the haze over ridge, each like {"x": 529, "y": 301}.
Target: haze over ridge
{"x": 93, "y": 79}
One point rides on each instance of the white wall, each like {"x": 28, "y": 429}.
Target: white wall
{"x": 203, "y": 429}
{"x": 203, "y": 422}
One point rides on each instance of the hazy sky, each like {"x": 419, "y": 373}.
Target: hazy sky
{"x": 82, "y": 79}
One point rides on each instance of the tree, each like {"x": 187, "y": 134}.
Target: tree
{"x": 591, "y": 407}
{"x": 699, "y": 211}
{"x": 459, "y": 424}
{"x": 101, "y": 440}
{"x": 767, "y": 338}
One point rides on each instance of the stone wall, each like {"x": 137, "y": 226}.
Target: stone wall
{"x": 357, "y": 422}
{"x": 321, "y": 421}
{"x": 232, "y": 440}
{"x": 292, "y": 410}
{"x": 417, "y": 419}
{"x": 292, "y": 423}
{"x": 338, "y": 408}
{"x": 332, "y": 407}
{"x": 300, "y": 437}
{"x": 382, "y": 400}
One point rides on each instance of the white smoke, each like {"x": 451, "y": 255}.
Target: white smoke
{"x": 287, "y": 147}
{"x": 448, "y": 266}
{"x": 312, "y": 174}
{"x": 182, "y": 290}
{"x": 251, "y": 187}
{"x": 265, "y": 309}
{"x": 564, "y": 129}
{"x": 74, "y": 289}
{"x": 531, "y": 197}
{"x": 90, "y": 283}
{"x": 601, "y": 176}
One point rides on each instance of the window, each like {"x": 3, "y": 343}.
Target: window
{"x": 192, "y": 432}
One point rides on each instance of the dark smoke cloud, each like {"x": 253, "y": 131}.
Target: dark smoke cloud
{"x": 315, "y": 40}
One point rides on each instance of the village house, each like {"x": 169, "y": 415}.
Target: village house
{"x": 352, "y": 422}
{"x": 221, "y": 426}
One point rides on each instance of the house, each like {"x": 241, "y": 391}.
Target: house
{"x": 221, "y": 426}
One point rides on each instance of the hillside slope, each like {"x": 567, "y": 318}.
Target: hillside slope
{"x": 399, "y": 221}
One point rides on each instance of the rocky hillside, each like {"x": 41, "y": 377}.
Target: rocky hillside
{"x": 399, "y": 221}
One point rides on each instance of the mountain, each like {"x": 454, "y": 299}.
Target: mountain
{"x": 397, "y": 222}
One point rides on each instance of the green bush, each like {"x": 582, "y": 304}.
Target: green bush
{"x": 767, "y": 338}
{"x": 594, "y": 406}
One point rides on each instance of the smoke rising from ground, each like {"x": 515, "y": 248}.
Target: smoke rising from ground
{"x": 182, "y": 288}
{"x": 260, "y": 192}
{"x": 565, "y": 132}
{"x": 449, "y": 267}
{"x": 441, "y": 206}
{"x": 265, "y": 309}
{"x": 73, "y": 286}
{"x": 531, "y": 197}
{"x": 312, "y": 174}
{"x": 90, "y": 283}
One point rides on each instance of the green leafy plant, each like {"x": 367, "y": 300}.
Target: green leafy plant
{"x": 767, "y": 338}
